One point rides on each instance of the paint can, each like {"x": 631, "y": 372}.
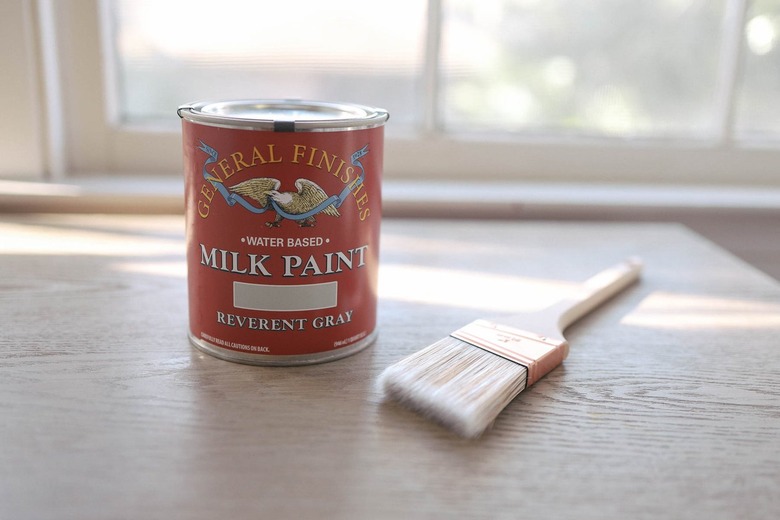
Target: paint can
{"x": 283, "y": 209}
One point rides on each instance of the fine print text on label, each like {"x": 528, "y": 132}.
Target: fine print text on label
{"x": 282, "y": 242}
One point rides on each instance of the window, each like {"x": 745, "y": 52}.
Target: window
{"x": 540, "y": 90}
{"x": 758, "y": 110}
{"x": 167, "y": 53}
{"x": 605, "y": 68}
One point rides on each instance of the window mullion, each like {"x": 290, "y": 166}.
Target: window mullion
{"x": 49, "y": 45}
{"x": 431, "y": 123}
{"x": 731, "y": 66}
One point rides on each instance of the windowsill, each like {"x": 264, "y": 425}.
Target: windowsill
{"x": 742, "y": 220}
{"x": 411, "y": 198}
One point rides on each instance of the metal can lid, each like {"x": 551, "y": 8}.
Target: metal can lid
{"x": 284, "y": 115}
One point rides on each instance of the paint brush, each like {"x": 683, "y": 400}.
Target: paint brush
{"x": 463, "y": 381}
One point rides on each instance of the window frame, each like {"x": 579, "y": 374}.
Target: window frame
{"x": 22, "y": 129}
{"x": 87, "y": 139}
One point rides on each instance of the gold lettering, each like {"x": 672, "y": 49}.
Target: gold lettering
{"x": 311, "y": 157}
{"x": 203, "y": 209}
{"x": 347, "y": 173}
{"x": 238, "y": 161}
{"x": 298, "y": 152}
{"x": 328, "y": 163}
{"x": 356, "y": 190}
{"x": 226, "y": 169}
{"x": 214, "y": 176}
{"x": 350, "y": 170}
{"x": 271, "y": 153}
{"x": 256, "y": 155}
{"x": 209, "y": 194}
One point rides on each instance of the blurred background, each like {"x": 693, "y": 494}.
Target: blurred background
{"x": 91, "y": 80}
{"x": 605, "y": 68}
{"x": 647, "y": 109}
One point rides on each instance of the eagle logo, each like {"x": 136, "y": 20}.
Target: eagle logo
{"x": 300, "y": 206}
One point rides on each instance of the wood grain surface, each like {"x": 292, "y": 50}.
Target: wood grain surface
{"x": 667, "y": 407}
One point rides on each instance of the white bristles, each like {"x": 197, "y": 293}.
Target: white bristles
{"x": 455, "y": 384}
{"x": 465, "y": 387}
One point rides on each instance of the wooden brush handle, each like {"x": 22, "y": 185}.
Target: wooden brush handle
{"x": 595, "y": 291}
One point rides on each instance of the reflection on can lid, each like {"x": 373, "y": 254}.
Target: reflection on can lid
{"x": 284, "y": 115}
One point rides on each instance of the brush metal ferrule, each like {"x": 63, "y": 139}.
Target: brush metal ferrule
{"x": 539, "y": 354}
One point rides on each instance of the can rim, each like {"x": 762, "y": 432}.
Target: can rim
{"x": 286, "y": 115}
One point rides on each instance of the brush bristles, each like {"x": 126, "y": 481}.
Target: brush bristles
{"x": 456, "y": 384}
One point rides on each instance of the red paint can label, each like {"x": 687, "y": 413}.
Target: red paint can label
{"x": 283, "y": 216}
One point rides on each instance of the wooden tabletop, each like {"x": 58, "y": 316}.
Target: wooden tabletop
{"x": 668, "y": 405}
